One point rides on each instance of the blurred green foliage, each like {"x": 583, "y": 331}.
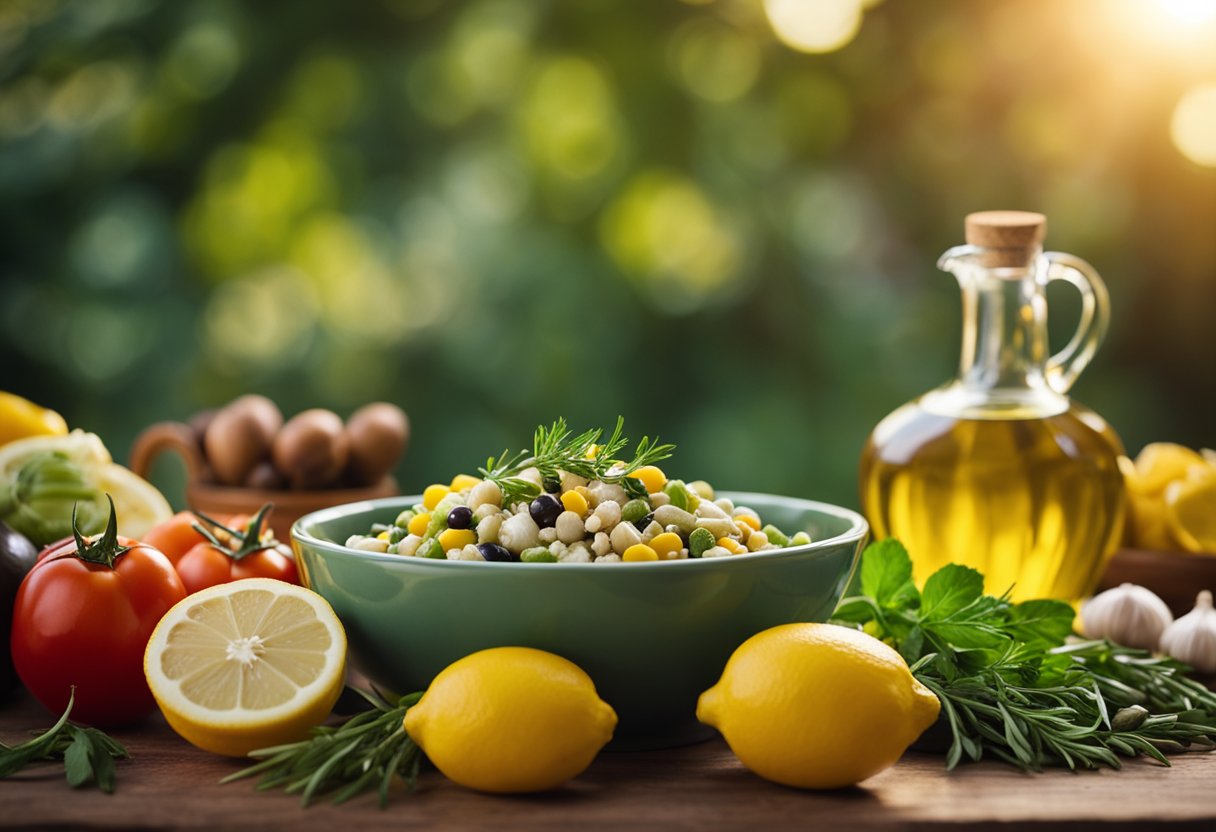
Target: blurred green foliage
{"x": 498, "y": 211}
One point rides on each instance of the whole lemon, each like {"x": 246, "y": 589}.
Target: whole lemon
{"x": 817, "y": 706}
{"x": 511, "y": 719}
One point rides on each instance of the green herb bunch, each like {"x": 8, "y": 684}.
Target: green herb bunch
{"x": 1012, "y": 682}
{"x": 88, "y": 754}
{"x": 587, "y": 454}
{"x": 368, "y": 750}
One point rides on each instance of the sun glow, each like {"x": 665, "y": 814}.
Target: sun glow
{"x": 1193, "y": 127}
{"x": 1189, "y": 11}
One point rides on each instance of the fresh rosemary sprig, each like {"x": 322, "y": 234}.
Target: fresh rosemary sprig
{"x": 88, "y": 754}
{"x": 587, "y": 454}
{"x": 1011, "y": 681}
{"x": 366, "y": 751}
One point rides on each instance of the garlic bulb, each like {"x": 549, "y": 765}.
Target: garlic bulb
{"x": 1127, "y": 614}
{"x": 1192, "y": 638}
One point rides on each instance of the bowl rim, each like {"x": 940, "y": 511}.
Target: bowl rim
{"x": 858, "y": 529}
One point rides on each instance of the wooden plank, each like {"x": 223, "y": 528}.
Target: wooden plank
{"x": 170, "y": 785}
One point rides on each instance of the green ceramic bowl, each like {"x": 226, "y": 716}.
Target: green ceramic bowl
{"x": 652, "y": 636}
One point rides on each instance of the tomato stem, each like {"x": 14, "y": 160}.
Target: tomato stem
{"x": 105, "y": 549}
{"x": 250, "y": 539}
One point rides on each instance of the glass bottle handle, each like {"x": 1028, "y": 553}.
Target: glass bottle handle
{"x": 1064, "y": 367}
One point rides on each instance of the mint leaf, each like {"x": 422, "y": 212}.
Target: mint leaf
{"x": 886, "y": 573}
{"x": 966, "y": 636}
{"x": 856, "y": 610}
{"x": 949, "y": 590}
{"x": 1042, "y": 623}
{"x": 912, "y": 645}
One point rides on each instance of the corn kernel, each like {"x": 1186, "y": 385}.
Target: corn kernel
{"x": 639, "y": 552}
{"x": 666, "y": 543}
{"x": 576, "y": 502}
{"x": 757, "y": 541}
{"x": 418, "y": 524}
{"x": 749, "y": 520}
{"x": 382, "y": 536}
{"x": 731, "y": 545}
{"x": 456, "y": 538}
{"x": 463, "y": 482}
{"x": 652, "y": 477}
{"x": 592, "y": 451}
{"x": 433, "y": 494}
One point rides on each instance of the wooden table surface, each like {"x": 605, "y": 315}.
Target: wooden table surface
{"x": 169, "y": 784}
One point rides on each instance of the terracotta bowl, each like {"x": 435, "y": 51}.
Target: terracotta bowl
{"x": 213, "y": 499}
{"x": 1175, "y": 576}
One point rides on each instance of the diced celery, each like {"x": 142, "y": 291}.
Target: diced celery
{"x": 775, "y": 535}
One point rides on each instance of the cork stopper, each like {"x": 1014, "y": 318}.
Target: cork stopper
{"x": 1012, "y": 237}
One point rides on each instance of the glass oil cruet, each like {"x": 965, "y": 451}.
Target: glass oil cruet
{"x": 998, "y": 469}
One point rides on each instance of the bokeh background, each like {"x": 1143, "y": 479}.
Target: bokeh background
{"x": 717, "y": 218}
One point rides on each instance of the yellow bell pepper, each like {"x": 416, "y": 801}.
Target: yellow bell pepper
{"x": 20, "y": 418}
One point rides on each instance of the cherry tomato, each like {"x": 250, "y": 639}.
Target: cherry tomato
{"x": 205, "y": 566}
{"x": 178, "y": 535}
{"x": 239, "y": 549}
{"x": 82, "y": 618}
{"x": 175, "y": 536}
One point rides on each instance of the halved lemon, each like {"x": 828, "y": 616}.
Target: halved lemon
{"x": 1190, "y": 512}
{"x": 246, "y": 665}
{"x": 1160, "y": 463}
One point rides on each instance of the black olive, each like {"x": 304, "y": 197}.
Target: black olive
{"x": 492, "y": 551}
{"x": 552, "y": 484}
{"x": 544, "y": 510}
{"x": 460, "y": 517}
{"x": 643, "y": 522}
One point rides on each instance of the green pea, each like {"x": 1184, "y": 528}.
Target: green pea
{"x": 431, "y": 549}
{"x": 635, "y": 510}
{"x": 775, "y": 535}
{"x": 404, "y": 518}
{"x": 800, "y": 539}
{"x": 700, "y": 541}
{"x": 395, "y": 535}
{"x": 537, "y": 554}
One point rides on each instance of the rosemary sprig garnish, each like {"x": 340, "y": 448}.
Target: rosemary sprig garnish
{"x": 587, "y": 454}
{"x": 368, "y": 750}
{"x": 88, "y": 754}
{"x": 1012, "y": 683}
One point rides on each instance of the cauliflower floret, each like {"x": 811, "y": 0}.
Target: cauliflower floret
{"x": 603, "y": 491}
{"x": 488, "y": 529}
{"x": 519, "y": 532}
{"x": 577, "y": 553}
{"x": 485, "y": 492}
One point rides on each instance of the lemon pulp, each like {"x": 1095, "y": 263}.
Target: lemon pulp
{"x": 246, "y": 665}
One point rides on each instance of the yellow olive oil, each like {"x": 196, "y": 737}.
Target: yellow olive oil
{"x": 1036, "y": 504}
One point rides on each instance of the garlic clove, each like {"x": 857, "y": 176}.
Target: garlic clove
{"x": 1128, "y": 614}
{"x": 1192, "y": 638}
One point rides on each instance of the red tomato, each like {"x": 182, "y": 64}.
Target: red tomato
{"x": 175, "y": 536}
{"x": 83, "y": 616}
{"x": 205, "y": 566}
